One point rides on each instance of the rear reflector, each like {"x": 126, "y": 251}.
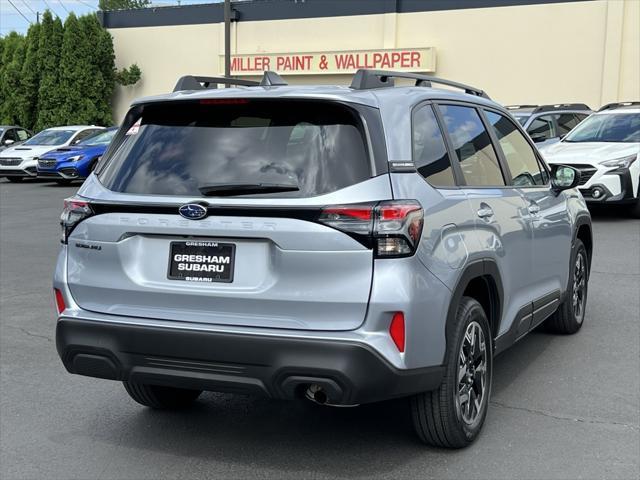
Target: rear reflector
{"x": 396, "y": 330}
{"x": 60, "y": 305}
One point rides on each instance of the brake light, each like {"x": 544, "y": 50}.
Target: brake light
{"x": 60, "y": 305}
{"x": 397, "y": 332}
{"x": 73, "y": 212}
{"x": 224, "y": 101}
{"x": 394, "y": 226}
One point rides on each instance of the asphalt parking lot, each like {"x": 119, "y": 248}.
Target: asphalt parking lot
{"x": 562, "y": 407}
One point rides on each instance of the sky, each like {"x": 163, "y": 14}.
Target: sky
{"x": 18, "y": 14}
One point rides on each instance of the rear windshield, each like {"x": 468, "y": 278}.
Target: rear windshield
{"x": 183, "y": 148}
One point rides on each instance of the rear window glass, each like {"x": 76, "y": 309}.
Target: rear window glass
{"x": 183, "y": 148}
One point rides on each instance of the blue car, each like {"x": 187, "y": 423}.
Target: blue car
{"x": 75, "y": 162}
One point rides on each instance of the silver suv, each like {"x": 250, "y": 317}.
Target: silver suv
{"x": 343, "y": 244}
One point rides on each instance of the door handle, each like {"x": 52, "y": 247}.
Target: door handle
{"x": 485, "y": 211}
{"x": 534, "y": 209}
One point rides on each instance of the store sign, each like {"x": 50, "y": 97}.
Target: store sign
{"x": 401, "y": 59}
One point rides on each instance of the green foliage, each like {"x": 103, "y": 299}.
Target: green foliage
{"x": 28, "y": 90}
{"x": 129, "y": 76}
{"x": 50, "y": 95}
{"x": 60, "y": 75}
{"x": 12, "y": 60}
{"x": 122, "y": 4}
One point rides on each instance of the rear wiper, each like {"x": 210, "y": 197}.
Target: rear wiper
{"x": 226, "y": 189}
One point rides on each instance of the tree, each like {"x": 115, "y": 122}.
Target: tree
{"x": 12, "y": 60}
{"x": 77, "y": 79}
{"x": 49, "y": 92}
{"x": 28, "y": 91}
{"x": 103, "y": 67}
{"x": 122, "y": 4}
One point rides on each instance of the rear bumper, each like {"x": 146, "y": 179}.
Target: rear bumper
{"x": 278, "y": 367}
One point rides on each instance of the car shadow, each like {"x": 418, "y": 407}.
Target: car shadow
{"x": 299, "y": 435}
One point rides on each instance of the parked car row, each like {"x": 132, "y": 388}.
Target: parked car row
{"x": 63, "y": 154}
{"x": 604, "y": 148}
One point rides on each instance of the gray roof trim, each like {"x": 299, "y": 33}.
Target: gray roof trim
{"x": 258, "y": 10}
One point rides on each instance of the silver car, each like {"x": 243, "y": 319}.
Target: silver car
{"x": 341, "y": 244}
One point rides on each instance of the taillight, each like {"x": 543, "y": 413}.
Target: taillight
{"x": 397, "y": 331}
{"x": 60, "y": 305}
{"x": 394, "y": 226}
{"x": 74, "y": 211}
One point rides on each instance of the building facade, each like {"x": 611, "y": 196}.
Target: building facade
{"x": 519, "y": 51}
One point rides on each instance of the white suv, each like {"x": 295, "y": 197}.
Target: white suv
{"x": 21, "y": 161}
{"x": 605, "y": 148}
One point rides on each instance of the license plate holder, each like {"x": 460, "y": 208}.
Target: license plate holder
{"x": 201, "y": 261}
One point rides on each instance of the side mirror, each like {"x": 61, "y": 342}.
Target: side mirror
{"x": 8, "y": 142}
{"x": 564, "y": 178}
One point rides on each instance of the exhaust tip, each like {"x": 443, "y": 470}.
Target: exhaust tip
{"x": 316, "y": 394}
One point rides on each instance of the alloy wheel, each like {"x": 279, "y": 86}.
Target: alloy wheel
{"x": 472, "y": 374}
{"x": 579, "y": 287}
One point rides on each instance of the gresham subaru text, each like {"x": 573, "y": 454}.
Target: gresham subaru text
{"x": 357, "y": 243}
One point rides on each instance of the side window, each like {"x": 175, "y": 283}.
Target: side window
{"x": 581, "y": 116}
{"x": 565, "y": 122}
{"x": 429, "y": 151}
{"x": 541, "y": 129}
{"x": 11, "y": 135}
{"x": 22, "y": 134}
{"x": 477, "y": 157}
{"x": 83, "y": 134}
{"x": 518, "y": 153}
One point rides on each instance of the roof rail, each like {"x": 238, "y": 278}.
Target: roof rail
{"x": 191, "y": 82}
{"x": 518, "y": 107}
{"x": 611, "y": 106}
{"x": 365, "y": 79}
{"x": 562, "y": 106}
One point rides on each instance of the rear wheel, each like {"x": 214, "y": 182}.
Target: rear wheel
{"x": 569, "y": 317}
{"x": 14, "y": 179}
{"x": 634, "y": 210}
{"x": 155, "y": 396}
{"x": 452, "y": 416}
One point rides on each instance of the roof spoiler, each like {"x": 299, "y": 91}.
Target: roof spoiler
{"x": 365, "y": 79}
{"x": 611, "y": 106}
{"x": 192, "y": 82}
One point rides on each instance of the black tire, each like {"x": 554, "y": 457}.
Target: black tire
{"x": 437, "y": 415}
{"x": 567, "y": 319}
{"x": 155, "y": 396}
{"x": 634, "y": 210}
{"x": 14, "y": 179}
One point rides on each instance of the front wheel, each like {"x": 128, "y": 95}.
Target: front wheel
{"x": 452, "y": 416}
{"x": 569, "y": 317}
{"x": 159, "y": 397}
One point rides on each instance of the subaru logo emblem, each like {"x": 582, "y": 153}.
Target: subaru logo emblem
{"x": 193, "y": 211}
